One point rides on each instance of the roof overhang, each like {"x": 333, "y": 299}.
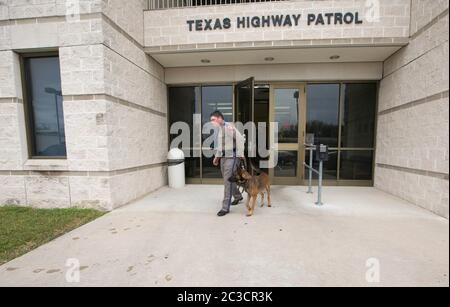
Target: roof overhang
{"x": 289, "y": 55}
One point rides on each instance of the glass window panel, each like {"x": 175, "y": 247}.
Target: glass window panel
{"x": 192, "y": 167}
{"x": 244, "y": 103}
{"x": 46, "y": 106}
{"x": 329, "y": 167}
{"x": 184, "y": 102}
{"x": 215, "y": 98}
{"x": 286, "y": 115}
{"x": 322, "y": 117}
{"x": 358, "y": 123}
{"x": 356, "y": 165}
{"x": 209, "y": 170}
{"x": 287, "y": 164}
{"x": 262, "y": 98}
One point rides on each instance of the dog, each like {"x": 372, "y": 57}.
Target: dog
{"x": 254, "y": 186}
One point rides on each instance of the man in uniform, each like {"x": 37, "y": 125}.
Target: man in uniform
{"x": 229, "y": 149}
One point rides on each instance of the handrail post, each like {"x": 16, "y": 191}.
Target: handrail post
{"x": 319, "y": 196}
{"x": 310, "y": 191}
{"x": 319, "y": 172}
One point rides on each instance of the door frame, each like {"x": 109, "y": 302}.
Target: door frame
{"x": 299, "y": 147}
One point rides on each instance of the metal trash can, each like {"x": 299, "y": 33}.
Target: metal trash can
{"x": 175, "y": 160}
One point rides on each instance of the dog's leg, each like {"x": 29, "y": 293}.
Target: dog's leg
{"x": 268, "y": 196}
{"x": 262, "y": 200}
{"x": 252, "y": 205}
{"x": 249, "y": 205}
{"x": 248, "y": 202}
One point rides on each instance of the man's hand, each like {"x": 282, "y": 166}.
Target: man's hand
{"x": 216, "y": 161}
{"x": 230, "y": 127}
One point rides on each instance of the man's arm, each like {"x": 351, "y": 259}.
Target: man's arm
{"x": 218, "y": 148}
{"x": 240, "y": 144}
{"x": 238, "y": 140}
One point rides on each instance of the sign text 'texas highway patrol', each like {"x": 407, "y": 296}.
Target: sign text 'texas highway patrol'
{"x": 290, "y": 20}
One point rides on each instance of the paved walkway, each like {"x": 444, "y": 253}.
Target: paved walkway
{"x": 173, "y": 238}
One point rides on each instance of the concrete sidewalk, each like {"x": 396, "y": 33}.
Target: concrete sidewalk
{"x": 173, "y": 238}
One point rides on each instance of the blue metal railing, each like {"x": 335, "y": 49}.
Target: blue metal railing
{"x": 311, "y": 148}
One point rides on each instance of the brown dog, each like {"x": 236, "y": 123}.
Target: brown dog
{"x": 254, "y": 185}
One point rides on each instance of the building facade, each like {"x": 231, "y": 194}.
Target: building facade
{"x": 89, "y": 90}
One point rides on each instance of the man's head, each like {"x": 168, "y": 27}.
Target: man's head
{"x": 217, "y": 118}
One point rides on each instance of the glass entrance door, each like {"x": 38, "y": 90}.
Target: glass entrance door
{"x": 244, "y": 97}
{"x": 288, "y": 109}
{"x": 244, "y": 94}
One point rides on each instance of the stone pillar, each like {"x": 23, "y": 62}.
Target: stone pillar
{"x": 114, "y": 105}
{"x": 412, "y": 158}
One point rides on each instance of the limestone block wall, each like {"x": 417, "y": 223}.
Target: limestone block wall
{"x": 11, "y": 113}
{"x": 170, "y": 31}
{"x": 412, "y": 158}
{"x": 114, "y": 105}
{"x": 128, "y": 16}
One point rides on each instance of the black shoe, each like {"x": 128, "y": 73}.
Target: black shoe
{"x": 237, "y": 201}
{"x": 222, "y": 213}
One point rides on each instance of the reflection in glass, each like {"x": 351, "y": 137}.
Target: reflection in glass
{"x": 46, "y": 107}
{"x": 329, "y": 167}
{"x": 323, "y": 113}
{"x": 217, "y": 98}
{"x": 358, "y": 123}
{"x": 287, "y": 164}
{"x": 356, "y": 165}
{"x": 286, "y": 114}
